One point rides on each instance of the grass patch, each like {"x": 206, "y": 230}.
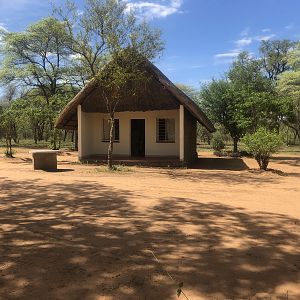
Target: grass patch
{"x": 40, "y": 145}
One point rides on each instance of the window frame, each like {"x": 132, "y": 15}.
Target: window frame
{"x": 165, "y": 141}
{"x": 106, "y": 121}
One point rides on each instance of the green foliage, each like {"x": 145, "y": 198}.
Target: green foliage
{"x": 275, "y": 57}
{"x": 110, "y": 44}
{"x": 243, "y": 102}
{"x": 289, "y": 91}
{"x": 103, "y": 28}
{"x": 218, "y": 100}
{"x": 56, "y": 56}
{"x": 37, "y": 57}
{"x": 8, "y": 120}
{"x": 262, "y": 144}
{"x": 218, "y": 142}
{"x": 257, "y": 103}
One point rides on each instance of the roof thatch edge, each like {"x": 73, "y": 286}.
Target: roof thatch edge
{"x": 186, "y": 101}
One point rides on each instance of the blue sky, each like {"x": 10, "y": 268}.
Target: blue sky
{"x": 202, "y": 36}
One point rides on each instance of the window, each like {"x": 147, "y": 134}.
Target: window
{"x": 106, "y": 130}
{"x": 165, "y": 130}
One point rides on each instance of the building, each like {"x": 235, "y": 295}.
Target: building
{"x": 160, "y": 123}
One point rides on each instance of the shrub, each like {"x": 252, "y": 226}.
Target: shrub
{"x": 261, "y": 145}
{"x": 217, "y": 142}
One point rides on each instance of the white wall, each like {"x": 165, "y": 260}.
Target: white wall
{"x": 92, "y": 133}
{"x": 85, "y": 133}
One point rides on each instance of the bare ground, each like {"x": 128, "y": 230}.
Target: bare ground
{"x": 225, "y": 231}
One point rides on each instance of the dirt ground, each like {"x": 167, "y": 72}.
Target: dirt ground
{"x": 225, "y": 231}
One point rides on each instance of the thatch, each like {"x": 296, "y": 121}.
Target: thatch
{"x": 159, "y": 94}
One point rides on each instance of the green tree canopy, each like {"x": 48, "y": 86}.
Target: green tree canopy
{"x": 275, "y": 57}
{"x": 289, "y": 89}
{"x": 219, "y": 102}
{"x": 37, "y": 58}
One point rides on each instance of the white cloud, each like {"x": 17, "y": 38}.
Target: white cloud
{"x": 227, "y": 57}
{"x": 289, "y": 27}
{"x": 265, "y": 37}
{"x": 157, "y": 9}
{"x": 266, "y": 30}
{"x": 243, "y": 42}
{"x": 245, "y": 32}
{"x": 76, "y": 56}
{"x": 229, "y": 54}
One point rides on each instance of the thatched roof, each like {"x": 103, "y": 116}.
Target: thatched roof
{"x": 160, "y": 94}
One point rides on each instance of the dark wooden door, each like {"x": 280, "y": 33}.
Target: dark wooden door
{"x": 138, "y": 137}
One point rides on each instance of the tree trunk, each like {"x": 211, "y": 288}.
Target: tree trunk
{"x": 8, "y": 140}
{"x": 35, "y": 135}
{"x": 111, "y": 143}
{"x": 40, "y": 130}
{"x": 235, "y": 145}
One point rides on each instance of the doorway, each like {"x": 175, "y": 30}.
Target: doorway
{"x": 138, "y": 137}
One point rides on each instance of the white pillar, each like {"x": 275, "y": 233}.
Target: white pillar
{"x": 181, "y": 132}
{"x": 79, "y": 120}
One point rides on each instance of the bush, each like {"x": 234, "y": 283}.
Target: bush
{"x": 261, "y": 145}
{"x": 217, "y": 142}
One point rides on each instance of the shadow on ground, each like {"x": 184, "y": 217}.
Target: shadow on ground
{"x": 220, "y": 163}
{"x": 287, "y": 160}
{"x": 86, "y": 241}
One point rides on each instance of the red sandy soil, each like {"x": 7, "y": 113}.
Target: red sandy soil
{"x": 225, "y": 231}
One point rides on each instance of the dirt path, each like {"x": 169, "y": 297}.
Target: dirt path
{"x": 224, "y": 231}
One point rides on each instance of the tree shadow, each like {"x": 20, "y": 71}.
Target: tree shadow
{"x": 220, "y": 163}
{"x": 287, "y": 160}
{"x": 85, "y": 240}
{"x": 250, "y": 177}
{"x": 58, "y": 170}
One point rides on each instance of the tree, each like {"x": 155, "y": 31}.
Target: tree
{"x": 103, "y": 27}
{"x": 38, "y": 59}
{"x": 244, "y": 101}
{"x": 219, "y": 102}
{"x": 194, "y": 94}
{"x": 217, "y": 141}
{"x": 112, "y": 46}
{"x": 8, "y": 120}
{"x": 275, "y": 57}
{"x": 261, "y": 145}
{"x": 289, "y": 89}
{"x": 125, "y": 76}
{"x": 256, "y": 97}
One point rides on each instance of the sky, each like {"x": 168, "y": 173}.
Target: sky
{"x": 202, "y": 37}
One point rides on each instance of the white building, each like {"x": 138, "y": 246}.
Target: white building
{"x": 160, "y": 123}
